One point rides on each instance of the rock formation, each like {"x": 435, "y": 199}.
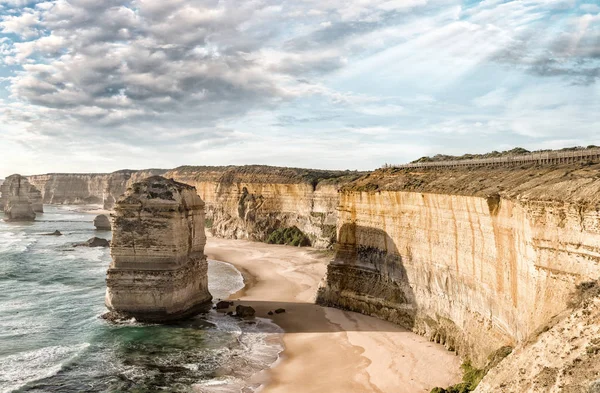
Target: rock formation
{"x": 475, "y": 259}
{"x": 242, "y": 202}
{"x": 159, "y": 270}
{"x": 15, "y": 201}
{"x": 250, "y": 202}
{"x": 102, "y": 223}
{"x": 87, "y": 188}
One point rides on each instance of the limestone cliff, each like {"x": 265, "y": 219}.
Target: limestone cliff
{"x": 473, "y": 258}
{"x": 90, "y": 188}
{"x": 18, "y": 199}
{"x": 250, "y": 202}
{"x": 242, "y": 202}
{"x": 159, "y": 270}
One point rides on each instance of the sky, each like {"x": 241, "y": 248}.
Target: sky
{"x": 97, "y": 86}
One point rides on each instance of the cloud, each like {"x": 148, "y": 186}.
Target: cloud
{"x": 138, "y": 74}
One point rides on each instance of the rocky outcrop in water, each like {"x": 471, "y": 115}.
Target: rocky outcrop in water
{"x": 102, "y": 223}
{"x": 15, "y": 199}
{"x": 159, "y": 270}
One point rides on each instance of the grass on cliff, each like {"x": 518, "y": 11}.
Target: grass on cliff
{"x": 291, "y": 236}
{"x": 472, "y": 376}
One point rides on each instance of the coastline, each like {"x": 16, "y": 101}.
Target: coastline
{"x": 326, "y": 349}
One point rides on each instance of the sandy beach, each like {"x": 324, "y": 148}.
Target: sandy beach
{"x": 329, "y": 350}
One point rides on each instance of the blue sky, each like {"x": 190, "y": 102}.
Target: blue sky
{"x": 348, "y": 84}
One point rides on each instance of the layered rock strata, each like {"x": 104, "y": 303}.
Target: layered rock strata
{"x": 15, "y": 199}
{"x": 250, "y": 202}
{"x": 242, "y": 202}
{"x": 475, "y": 259}
{"x": 159, "y": 270}
{"x": 87, "y": 188}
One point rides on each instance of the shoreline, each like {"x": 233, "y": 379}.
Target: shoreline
{"x": 326, "y": 349}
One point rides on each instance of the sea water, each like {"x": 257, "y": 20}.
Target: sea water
{"x": 52, "y": 339}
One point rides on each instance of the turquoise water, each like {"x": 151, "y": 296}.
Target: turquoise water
{"x": 52, "y": 339}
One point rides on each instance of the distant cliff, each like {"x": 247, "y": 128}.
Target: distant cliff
{"x": 242, "y": 202}
{"x": 87, "y": 188}
{"x": 250, "y": 202}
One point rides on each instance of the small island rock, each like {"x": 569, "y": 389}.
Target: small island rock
{"x": 102, "y": 223}
{"x": 95, "y": 242}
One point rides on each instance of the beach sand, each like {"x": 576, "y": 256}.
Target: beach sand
{"x": 329, "y": 350}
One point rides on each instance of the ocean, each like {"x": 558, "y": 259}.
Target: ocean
{"x": 52, "y": 339}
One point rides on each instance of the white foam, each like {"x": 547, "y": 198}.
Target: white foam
{"x": 223, "y": 279}
{"x": 14, "y": 242}
{"x": 19, "y": 369}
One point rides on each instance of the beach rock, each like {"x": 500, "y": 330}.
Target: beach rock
{"x": 55, "y": 233}
{"x": 270, "y": 313}
{"x": 223, "y": 304}
{"x": 280, "y": 311}
{"x": 102, "y": 223}
{"x": 15, "y": 199}
{"x": 244, "y": 311}
{"x": 95, "y": 242}
{"x": 159, "y": 270}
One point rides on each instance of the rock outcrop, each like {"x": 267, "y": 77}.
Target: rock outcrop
{"x": 15, "y": 194}
{"x": 159, "y": 270}
{"x": 102, "y": 223}
{"x": 94, "y": 242}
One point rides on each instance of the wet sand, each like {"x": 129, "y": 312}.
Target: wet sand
{"x": 329, "y": 350}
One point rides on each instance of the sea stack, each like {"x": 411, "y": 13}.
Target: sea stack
{"x": 102, "y": 223}
{"x": 15, "y": 199}
{"x": 158, "y": 271}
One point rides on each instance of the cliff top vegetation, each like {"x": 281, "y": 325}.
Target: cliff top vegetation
{"x": 517, "y": 151}
{"x": 575, "y": 182}
{"x": 268, "y": 174}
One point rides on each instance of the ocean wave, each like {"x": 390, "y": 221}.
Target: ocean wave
{"x": 223, "y": 279}
{"x": 15, "y": 242}
{"x": 22, "y": 368}
{"x": 260, "y": 345}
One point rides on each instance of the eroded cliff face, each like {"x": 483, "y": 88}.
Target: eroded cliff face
{"x": 250, "y": 202}
{"x": 19, "y": 200}
{"x": 92, "y": 188}
{"x": 475, "y": 271}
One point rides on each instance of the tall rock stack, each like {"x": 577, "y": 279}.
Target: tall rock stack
{"x": 159, "y": 270}
{"x": 15, "y": 199}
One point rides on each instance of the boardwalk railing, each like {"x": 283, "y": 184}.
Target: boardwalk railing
{"x": 544, "y": 158}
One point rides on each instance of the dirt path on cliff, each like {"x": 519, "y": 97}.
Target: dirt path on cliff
{"x": 328, "y": 350}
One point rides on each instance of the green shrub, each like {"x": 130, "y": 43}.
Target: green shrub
{"x": 208, "y": 223}
{"x": 291, "y": 236}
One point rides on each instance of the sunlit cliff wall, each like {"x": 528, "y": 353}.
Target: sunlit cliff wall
{"x": 242, "y": 202}
{"x": 474, "y": 259}
{"x": 250, "y": 202}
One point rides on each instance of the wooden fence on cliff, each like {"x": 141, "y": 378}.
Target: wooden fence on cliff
{"x": 543, "y": 158}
